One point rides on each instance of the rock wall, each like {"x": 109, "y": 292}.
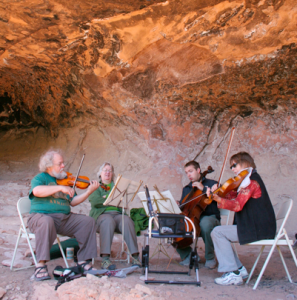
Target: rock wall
{"x": 148, "y": 86}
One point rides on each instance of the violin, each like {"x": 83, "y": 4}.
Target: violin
{"x": 82, "y": 182}
{"x": 230, "y": 185}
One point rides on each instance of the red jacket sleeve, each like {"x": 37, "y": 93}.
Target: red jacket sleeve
{"x": 236, "y": 202}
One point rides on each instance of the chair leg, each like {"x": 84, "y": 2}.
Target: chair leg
{"x": 31, "y": 249}
{"x": 62, "y": 252}
{"x": 21, "y": 232}
{"x": 15, "y": 248}
{"x": 290, "y": 247}
{"x": 255, "y": 264}
{"x": 284, "y": 263}
{"x": 264, "y": 266}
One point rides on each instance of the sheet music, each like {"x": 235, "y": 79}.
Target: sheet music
{"x": 123, "y": 194}
{"x": 164, "y": 203}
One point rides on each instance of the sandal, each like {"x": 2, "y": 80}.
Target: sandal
{"x": 83, "y": 265}
{"x": 40, "y": 271}
{"x": 106, "y": 264}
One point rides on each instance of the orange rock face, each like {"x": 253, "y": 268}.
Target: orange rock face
{"x": 161, "y": 62}
{"x": 158, "y": 82}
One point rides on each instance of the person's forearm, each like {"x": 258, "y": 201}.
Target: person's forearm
{"x": 46, "y": 190}
{"x": 80, "y": 198}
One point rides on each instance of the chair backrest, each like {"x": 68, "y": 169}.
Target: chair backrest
{"x": 225, "y": 212}
{"x": 284, "y": 212}
{"x": 24, "y": 205}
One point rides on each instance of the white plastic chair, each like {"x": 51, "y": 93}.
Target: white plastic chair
{"x": 23, "y": 207}
{"x": 281, "y": 239}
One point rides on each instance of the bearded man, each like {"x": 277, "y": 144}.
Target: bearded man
{"x": 51, "y": 214}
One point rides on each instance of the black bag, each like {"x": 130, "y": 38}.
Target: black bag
{"x": 171, "y": 224}
{"x": 67, "y": 274}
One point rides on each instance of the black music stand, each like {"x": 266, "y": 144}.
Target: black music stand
{"x": 169, "y": 226}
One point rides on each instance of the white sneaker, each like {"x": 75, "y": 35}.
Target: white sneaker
{"x": 229, "y": 279}
{"x": 243, "y": 272}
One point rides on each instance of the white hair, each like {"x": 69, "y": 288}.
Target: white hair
{"x": 47, "y": 160}
{"x": 102, "y": 167}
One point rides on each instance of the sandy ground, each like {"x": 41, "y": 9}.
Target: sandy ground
{"x": 17, "y": 285}
{"x": 274, "y": 284}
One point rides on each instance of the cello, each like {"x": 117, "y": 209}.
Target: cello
{"x": 192, "y": 206}
{"x": 197, "y": 203}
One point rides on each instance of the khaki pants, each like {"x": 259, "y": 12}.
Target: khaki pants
{"x": 47, "y": 226}
{"x": 110, "y": 222}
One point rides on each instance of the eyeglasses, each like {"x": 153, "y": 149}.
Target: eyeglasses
{"x": 59, "y": 164}
{"x": 233, "y": 166}
{"x": 107, "y": 171}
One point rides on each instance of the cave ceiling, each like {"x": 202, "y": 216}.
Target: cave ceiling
{"x": 155, "y": 66}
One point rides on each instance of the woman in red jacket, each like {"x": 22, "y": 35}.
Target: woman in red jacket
{"x": 254, "y": 219}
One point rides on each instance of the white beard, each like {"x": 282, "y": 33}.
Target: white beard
{"x": 60, "y": 175}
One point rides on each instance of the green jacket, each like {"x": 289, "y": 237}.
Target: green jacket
{"x": 97, "y": 199}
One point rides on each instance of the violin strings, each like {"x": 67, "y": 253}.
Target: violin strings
{"x": 192, "y": 200}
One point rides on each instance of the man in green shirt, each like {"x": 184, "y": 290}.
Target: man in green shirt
{"x": 51, "y": 214}
{"x": 109, "y": 219}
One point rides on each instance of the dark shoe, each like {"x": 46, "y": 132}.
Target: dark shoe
{"x": 107, "y": 264}
{"x": 41, "y": 273}
{"x": 136, "y": 262}
{"x": 186, "y": 261}
{"x": 211, "y": 264}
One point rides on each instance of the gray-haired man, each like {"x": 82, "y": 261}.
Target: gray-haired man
{"x": 51, "y": 215}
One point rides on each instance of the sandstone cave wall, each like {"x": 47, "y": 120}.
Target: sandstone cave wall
{"x": 149, "y": 87}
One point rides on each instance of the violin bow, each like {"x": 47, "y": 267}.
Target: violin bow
{"x": 225, "y": 160}
{"x": 78, "y": 171}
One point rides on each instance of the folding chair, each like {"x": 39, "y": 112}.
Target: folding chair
{"x": 23, "y": 207}
{"x": 281, "y": 239}
{"x": 169, "y": 226}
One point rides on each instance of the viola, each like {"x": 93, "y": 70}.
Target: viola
{"x": 82, "y": 182}
{"x": 230, "y": 185}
